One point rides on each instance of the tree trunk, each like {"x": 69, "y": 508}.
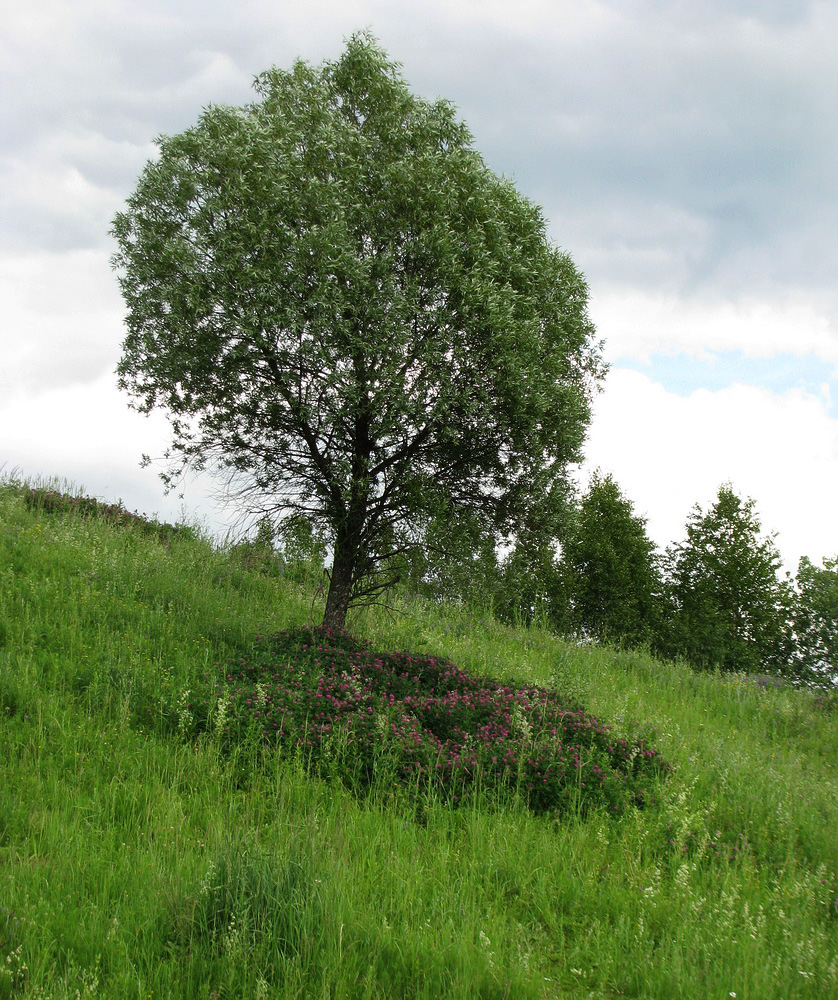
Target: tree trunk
{"x": 340, "y": 586}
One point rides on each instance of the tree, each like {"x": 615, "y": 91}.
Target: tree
{"x": 528, "y": 580}
{"x": 456, "y": 563}
{"x": 349, "y": 316}
{"x": 728, "y": 602}
{"x": 814, "y": 651}
{"x": 609, "y": 569}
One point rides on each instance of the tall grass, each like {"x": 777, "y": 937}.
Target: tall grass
{"x": 140, "y": 858}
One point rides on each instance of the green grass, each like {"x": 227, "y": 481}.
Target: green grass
{"x": 136, "y": 862}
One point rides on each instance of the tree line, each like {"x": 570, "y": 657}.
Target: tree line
{"x": 717, "y": 599}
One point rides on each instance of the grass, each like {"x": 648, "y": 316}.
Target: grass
{"x": 144, "y": 855}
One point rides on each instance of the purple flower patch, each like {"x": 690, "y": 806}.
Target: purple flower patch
{"x": 427, "y": 725}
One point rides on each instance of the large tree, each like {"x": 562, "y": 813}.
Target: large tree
{"x": 349, "y": 316}
{"x": 729, "y": 606}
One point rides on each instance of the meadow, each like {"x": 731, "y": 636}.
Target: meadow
{"x": 159, "y": 838}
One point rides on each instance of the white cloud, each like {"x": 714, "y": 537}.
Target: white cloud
{"x": 646, "y": 241}
{"x": 62, "y": 321}
{"x": 638, "y": 324}
{"x": 670, "y": 452}
{"x": 571, "y": 21}
{"x": 205, "y": 76}
{"x": 54, "y": 203}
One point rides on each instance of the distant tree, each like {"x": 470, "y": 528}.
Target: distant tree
{"x": 609, "y": 569}
{"x": 728, "y": 603}
{"x": 350, "y": 317}
{"x": 527, "y": 590}
{"x": 457, "y": 562}
{"x": 813, "y": 659}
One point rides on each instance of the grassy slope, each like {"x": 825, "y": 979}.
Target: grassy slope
{"x": 135, "y": 865}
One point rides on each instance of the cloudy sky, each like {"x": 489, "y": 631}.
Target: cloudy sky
{"x": 685, "y": 152}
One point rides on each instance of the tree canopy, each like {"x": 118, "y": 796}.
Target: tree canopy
{"x": 345, "y": 313}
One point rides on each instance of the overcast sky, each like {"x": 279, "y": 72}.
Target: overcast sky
{"x": 685, "y": 153}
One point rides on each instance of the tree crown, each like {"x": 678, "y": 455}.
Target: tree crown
{"x": 343, "y": 309}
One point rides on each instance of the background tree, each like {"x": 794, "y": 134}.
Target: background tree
{"x": 457, "y": 562}
{"x": 527, "y": 589}
{"x": 295, "y": 553}
{"x": 814, "y": 625}
{"x": 609, "y": 570}
{"x": 728, "y": 602}
{"x": 344, "y": 311}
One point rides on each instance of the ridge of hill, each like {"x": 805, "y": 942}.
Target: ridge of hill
{"x": 142, "y": 858}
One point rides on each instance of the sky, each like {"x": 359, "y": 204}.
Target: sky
{"x": 684, "y": 152}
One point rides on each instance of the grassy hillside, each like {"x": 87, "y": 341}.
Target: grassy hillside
{"x": 142, "y": 858}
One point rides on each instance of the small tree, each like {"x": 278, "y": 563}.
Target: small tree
{"x": 814, "y": 641}
{"x": 456, "y": 562}
{"x": 609, "y": 569}
{"x": 528, "y": 580}
{"x": 347, "y": 314}
{"x": 728, "y": 602}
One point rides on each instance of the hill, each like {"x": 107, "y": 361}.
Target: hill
{"x": 143, "y": 855}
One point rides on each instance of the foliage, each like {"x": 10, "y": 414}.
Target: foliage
{"x": 296, "y": 553}
{"x": 729, "y": 606}
{"x": 814, "y": 623}
{"x": 609, "y": 570}
{"x": 347, "y": 314}
{"x": 429, "y": 726}
{"x": 528, "y": 589}
{"x": 457, "y": 562}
